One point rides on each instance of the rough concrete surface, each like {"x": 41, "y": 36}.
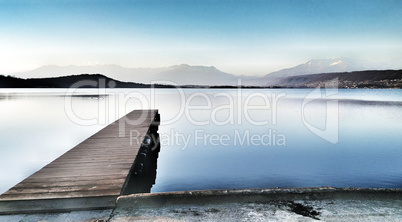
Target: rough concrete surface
{"x": 269, "y": 211}
{"x": 299, "y": 204}
{"x": 303, "y": 204}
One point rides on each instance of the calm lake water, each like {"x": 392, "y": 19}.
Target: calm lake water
{"x": 219, "y": 139}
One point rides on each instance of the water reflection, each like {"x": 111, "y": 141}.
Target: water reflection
{"x": 211, "y": 147}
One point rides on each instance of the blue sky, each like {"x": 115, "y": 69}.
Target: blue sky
{"x": 240, "y": 37}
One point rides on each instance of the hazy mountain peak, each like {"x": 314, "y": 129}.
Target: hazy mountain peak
{"x": 336, "y": 63}
{"x": 181, "y": 66}
{"x": 327, "y": 62}
{"x": 186, "y": 66}
{"x": 185, "y": 74}
{"x": 317, "y": 66}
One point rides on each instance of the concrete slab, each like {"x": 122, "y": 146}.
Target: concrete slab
{"x": 301, "y": 204}
{"x": 298, "y": 204}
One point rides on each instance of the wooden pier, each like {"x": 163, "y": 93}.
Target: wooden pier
{"x": 93, "y": 174}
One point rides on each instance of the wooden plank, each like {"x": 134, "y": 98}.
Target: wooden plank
{"x": 78, "y": 178}
{"x": 60, "y": 189}
{"x": 69, "y": 183}
{"x": 72, "y": 174}
{"x": 59, "y": 195}
{"x": 96, "y": 169}
{"x": 86, "y": 164}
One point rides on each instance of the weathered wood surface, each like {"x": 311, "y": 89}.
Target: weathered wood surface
{"x": 90, "y": 176}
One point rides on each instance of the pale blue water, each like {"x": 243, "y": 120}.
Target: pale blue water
{"x": 233, "y": 139}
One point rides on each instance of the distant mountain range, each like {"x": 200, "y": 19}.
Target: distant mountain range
{"x": 321, "y": 66}
{"x": 316, "y": 66}
{"x": 178, "y": 74}
{"x": 75, "y": 81}
{"x": 358, "y": 79}
{"x": 349, "y": 80}
{"x": 209, "y": 76}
